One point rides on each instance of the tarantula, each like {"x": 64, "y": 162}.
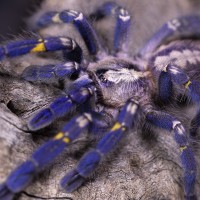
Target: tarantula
{"x": 108, "y": 85}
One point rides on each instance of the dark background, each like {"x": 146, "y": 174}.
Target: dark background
{"x": 12, "y": 15}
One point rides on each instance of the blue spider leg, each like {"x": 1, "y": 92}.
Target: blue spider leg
{"x": 123, "y": 21}
{"x": 48, "y": 73}
{"x": 79, "y": 21}
{"x": 166, "y": 121}
{"x": 60, "y": 107}
{"x": 186, "y": 26}
{"x": 179, "y": 77}
{"x": 17, "y": 48}
{"x": 22, "y": 176}
{"x": 164, "y": 87}
{"x": 91, "y": 160}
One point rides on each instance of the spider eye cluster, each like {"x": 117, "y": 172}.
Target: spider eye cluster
{"x": 102, "y": 78}
{"x": 101, "y": 75}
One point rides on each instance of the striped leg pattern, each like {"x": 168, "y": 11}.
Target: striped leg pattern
{"x": 22, "y": 176}
{"x": 187, "y": 26}
{"x": 166, "y": 121}
{"x": 91, "y": 160}
{"x": 18, "y": 48}
{"x": 79, "y": 21}
{"x": 60, "y": 107}
{"x": 123, "y": 21}
{"x": 179, "y": 77}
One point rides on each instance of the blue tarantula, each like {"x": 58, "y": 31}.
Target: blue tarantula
{"x": 122, "y": 86}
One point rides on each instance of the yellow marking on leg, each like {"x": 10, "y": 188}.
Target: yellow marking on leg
{"x": 59, "y": 136}
{"x": 39, "y": 47}
{"x": 116, "y": 126}
{"x": 183, "y": 148}
{"x": 187, "y": 84}
{"x": 66, "y": 140}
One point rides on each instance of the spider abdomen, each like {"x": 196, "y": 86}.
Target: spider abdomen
{"x": 184, "y": 53}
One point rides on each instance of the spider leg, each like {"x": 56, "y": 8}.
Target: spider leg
{"x": 60, "y": 107}
{"x": 79, "y": 21}
{"x": 18, "y": 48}
{"x": 91, "y": 160}
{"x": 123, "y": 21}
{"x": 168, "y": 122}
{"x": 22, "y": 176}
{"x": 48, "y": 73}
{"x": 187, "y": 26}
{"x": 178, "y": 76}
{"x": 164, "y": 87}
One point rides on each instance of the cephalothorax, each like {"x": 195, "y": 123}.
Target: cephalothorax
{"x": 121, "y": 78}
{"x": 122, "y": 86}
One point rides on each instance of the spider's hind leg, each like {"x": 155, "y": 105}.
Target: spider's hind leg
{"x": 123, "y": 20}
{"x": 168, "y": 122}
{"x": 183, "y": 27}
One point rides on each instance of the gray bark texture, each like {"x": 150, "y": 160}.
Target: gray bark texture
{"x": 139, "y": 169}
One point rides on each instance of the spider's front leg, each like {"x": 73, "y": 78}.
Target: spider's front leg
{"x": 22, "y": 176}
{"x": 187, "y": 26}
{"x": 91, "y": 160}
{"x": 22, "y": 47}
{"x": 48, "y": 73}
{"x": 173, "y": 73}
{"x": 80, "y": 22}
{"x": 60, "y": 107}
{"x": 168, "y": 122}
{"x": 123, "y": 22}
